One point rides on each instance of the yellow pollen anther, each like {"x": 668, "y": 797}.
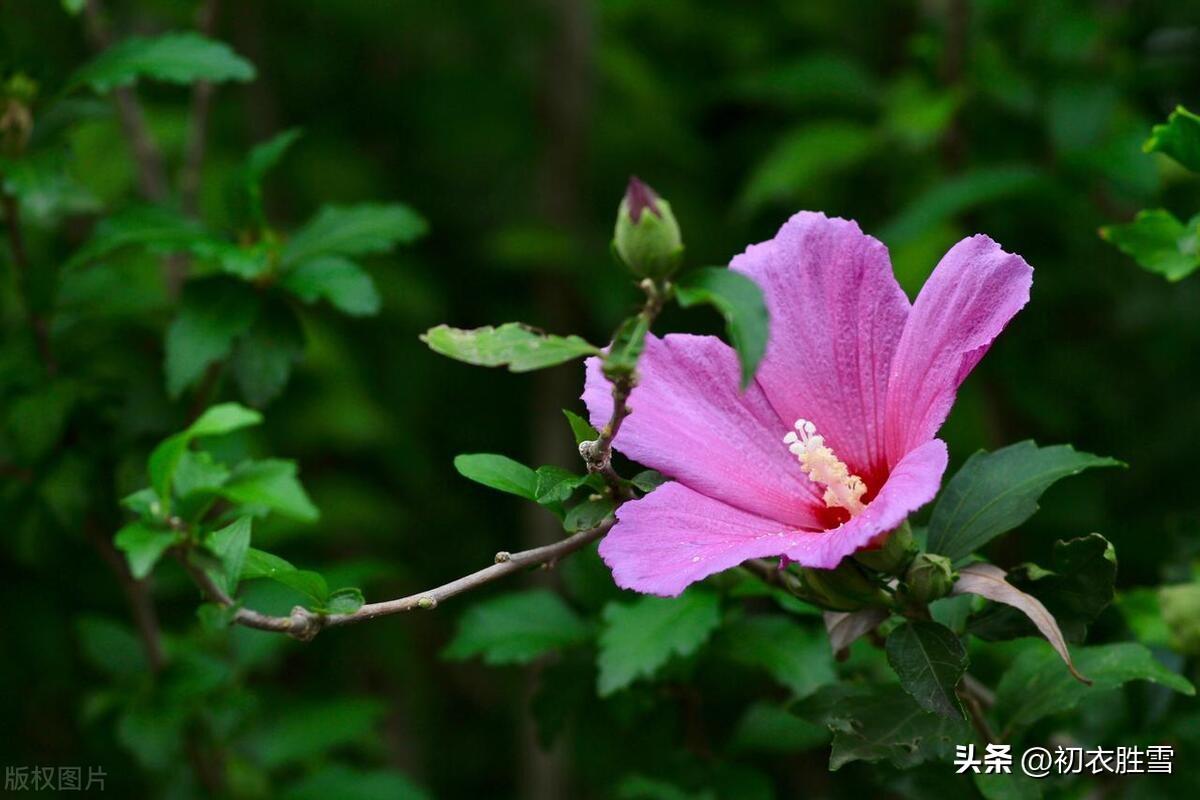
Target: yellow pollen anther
{"x": 818, "y": 462}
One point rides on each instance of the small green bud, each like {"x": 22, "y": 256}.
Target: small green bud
{"x": 1180, "y": 605}
{"x": 646, "y": 236}
{"x": 929, "y": 577}
{"x": 844, "y": 588}
{"x": 895, "y": 554}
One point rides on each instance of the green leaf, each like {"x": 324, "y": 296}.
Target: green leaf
{"x": 1036, "y": 686}
{"x": 1159, "y": 242}
{"x": 1007, "y": 786}
{"x": 882, "y": 723}
{"x": 514, "y": 345}
{"x": 172, "y": 57}
{"x": 517, "y": 628}
{"x": 155, "y": 228}
{"x": 803, "y": 157}
{"x": 640, "y": 637}
{"x": 353, "y": 231}
{"x": 212, "y": 315}
{"x": 260, "y": 564}
{"x": 246, "y": 190}
{"x": 345, "y": 601}
{"x": 587, "y": 515}
{"x": 73, "y": 7}
{"x": 930, "y": 661}
{"x": 230, "y": 544}
{"x": 112, "y": 647}
{"x": 951, "y": 197}
{"x": 143, "y": 546}
{"x": 995, "y": 492}
{"x": 580, "y": 428}
{"x": 1179, "y": 138}
{"x": 556, "y": 485}
{"x": 343, "y": 283}
{"x": 306, "y": 730}
{"x": 740, "y": 301}
{"x": 498, "y": 472}
{"x": 768, "y": 728}
{"x": 270, "y": 484}
{"x": 198, "y": 473}
{"x": 627, "y": 345}
{"x": 350, "y": 783}
{"x": 223, "y": 418}
{"x": 798, "y": 656}
{"x": 1075, "y": 592}
{"x": 648, "y": 480}
{"x": 262, "y": 359}
{"x": 215, "y": 421}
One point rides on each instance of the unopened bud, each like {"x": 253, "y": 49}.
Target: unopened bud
{"x": 894, "y": 555}
{"x": 646, "y": 236}
{"x": 929, "y": 577}
{"x": 844, "y": 588}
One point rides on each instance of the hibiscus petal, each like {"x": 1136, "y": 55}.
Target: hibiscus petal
{"x": 836, "y": 317}
{"x": 675, "y": 536}
{"x": 689, "y": 421}
{"x": 912, "y": 483}
{"x": 971, "y": 295}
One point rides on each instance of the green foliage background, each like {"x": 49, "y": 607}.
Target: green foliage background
{"x": 511, "y": 127}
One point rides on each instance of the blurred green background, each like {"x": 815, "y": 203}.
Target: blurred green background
{"x": 512, "y": 126}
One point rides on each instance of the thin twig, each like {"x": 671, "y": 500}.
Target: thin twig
{"x": 137, "y": 593}
{"x": 974, "y": 706}
{"x": 193, "y": 159}
{"x": 38, "y": 324}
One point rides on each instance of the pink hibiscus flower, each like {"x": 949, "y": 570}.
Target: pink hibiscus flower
{"x": 832, "y": 446}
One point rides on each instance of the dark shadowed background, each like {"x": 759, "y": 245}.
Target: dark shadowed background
{"x": 512, "y": 126}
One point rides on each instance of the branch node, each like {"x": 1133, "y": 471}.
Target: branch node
{"x": 427, "y": 603}
{"x": 503, "y": 556}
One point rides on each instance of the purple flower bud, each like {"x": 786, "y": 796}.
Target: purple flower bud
{"x": 639, "y": 197}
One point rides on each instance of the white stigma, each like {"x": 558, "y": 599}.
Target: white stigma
{"x": 818, "y": 462}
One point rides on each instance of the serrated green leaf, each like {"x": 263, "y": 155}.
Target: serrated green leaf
{"x": 995, "y": 492}
{"x": 930, "y": 661}
{"x": 270, "y": 484}
{"x": 262, "y": 358}
{"x": 1036, "y": 685}
{"x": 346, "y": 285}
{"x": 353, "y": 231}
{"x": 741, "y": 303}
{"x": 230, "y": 544}
{"x": 1158, "y": 242}
{"x": 157, "y": 229}
{"x": 260, "y": 564}
{"x": 143, "y": 546}
{"x": 212, "y": 315}
{"x": 580, "y": 428}
{"x": 883, "y": 723}
{"x": 517, "y": 628}
{"x": 514, "y": 345}
{"x": 1179, "y": 138}
{"x": 172, "y": 57}
{"x": 498, "y": 472}
{"x": 796, "y": 655}
{"x": 638, "y": 638}
{"x": 588, "y": 514}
